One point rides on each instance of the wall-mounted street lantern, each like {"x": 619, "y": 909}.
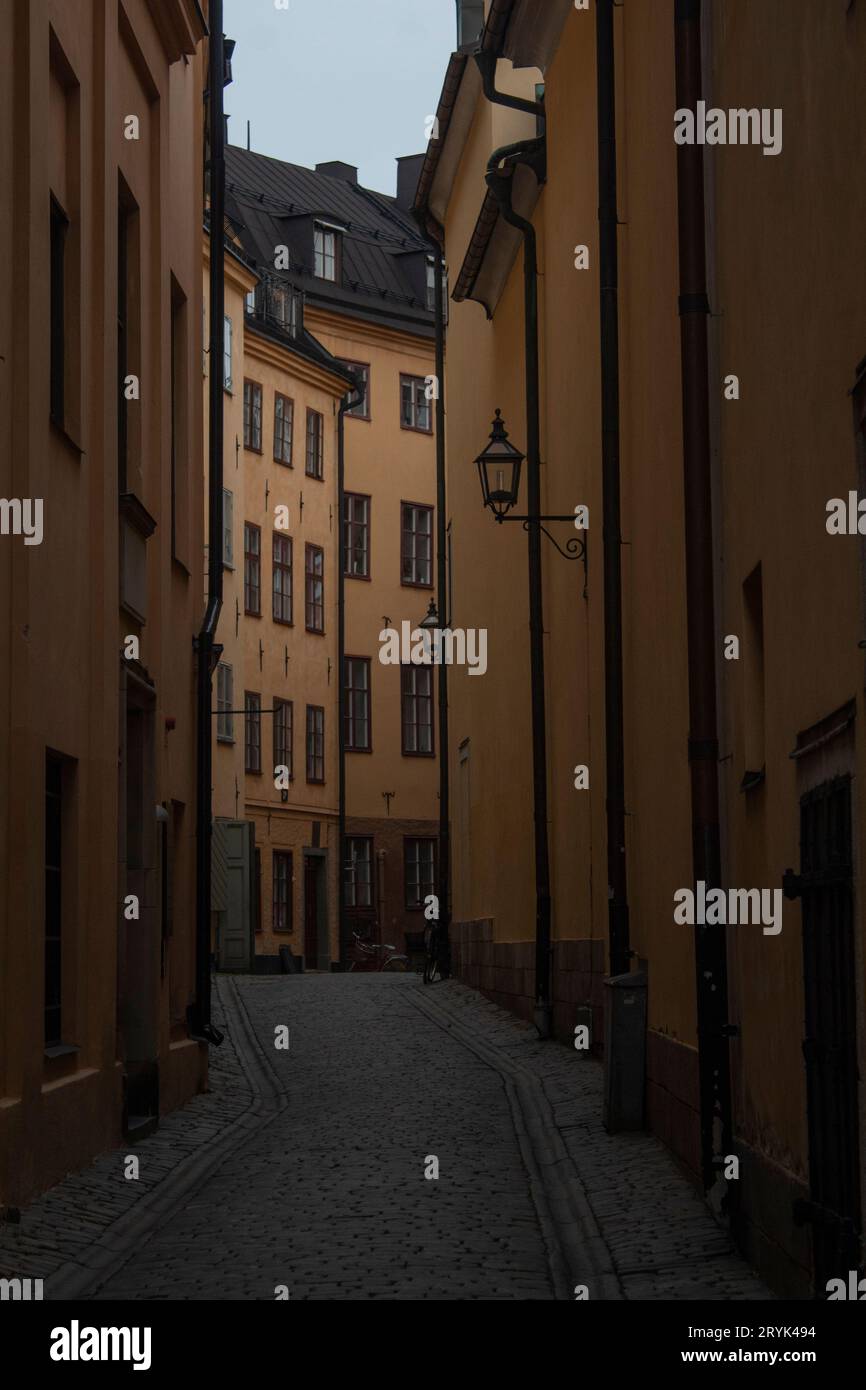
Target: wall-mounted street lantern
{"x": 499, "y": 471}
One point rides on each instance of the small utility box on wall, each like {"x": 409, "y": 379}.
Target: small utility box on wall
{"x": 624, "y": 1051}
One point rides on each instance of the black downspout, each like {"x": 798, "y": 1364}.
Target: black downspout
{"x": 618, "y": 912}
{"x": 703, "y": 748}
{"x": 348, "y": 402}
{"x": 199, "y": 1014}
{"x": 443, "y": 877}
{"x": 500, "y": 183}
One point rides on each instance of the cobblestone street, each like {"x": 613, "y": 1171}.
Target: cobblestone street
{"x": 305, "y": 1168}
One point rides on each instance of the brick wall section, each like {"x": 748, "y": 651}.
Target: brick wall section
{"x": 391, "y": 918}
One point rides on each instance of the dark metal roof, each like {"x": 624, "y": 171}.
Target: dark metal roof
{"x": 267, "y": 201}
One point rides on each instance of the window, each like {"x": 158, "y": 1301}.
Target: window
{"x": 356, "y": 535}
{"x": 179, "y": 424}
{"x": 315, "y": 743}
{"x": 252, "y": 570}
{"x": 282, "y": 609}
{"x": 315, "y": 438}
{"x": 225, "y": 703}
{"x": 252, "y": 732}
{"x": 284, "y": 426}
{"x": 416, "y": 545}
{"x": 284, "y": 735}
{"x": 359, "y": 872}
{"x": 419, "y": 871}
{"x": 53, "y": 899}
{"x": 57, "y": 324}
{"x": 326, "y": 247}
{"x": 315, "y": 570}
{"x": 361, "y": 411}
{"x": 250, "y": 302}
{"x": 129, "y": 358}
{"x": 417, "y": 702}
{"x": 282, "y": 900}
{"x": 284, "y": 307}
{"x": 431, "y": 285}
{"x": 227, "y": 354}
{"x": 357, "y": 722}
{"x": 253, "y": 416}
{"x": 414, "y": 405}
{"x": 228, "y": 529}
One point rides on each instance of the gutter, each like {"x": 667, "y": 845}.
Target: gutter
{"x": 444, "y": 111}
{"x": 711, "y": 973}
{"x": 207, "y": 651}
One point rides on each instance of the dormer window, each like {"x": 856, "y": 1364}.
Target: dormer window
{"x": 326, "y": 248}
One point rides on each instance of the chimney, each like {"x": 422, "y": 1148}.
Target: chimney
{"x": 408, "y": 174}
{"x": 470, "y": 24}
{"x": 336, "y": 169}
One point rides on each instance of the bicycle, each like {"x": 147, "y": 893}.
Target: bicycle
{"x": 432, "y": 972}
{"x": 370, "y": 957}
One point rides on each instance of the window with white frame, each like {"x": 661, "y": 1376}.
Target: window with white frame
{"x": 225, "y": 703}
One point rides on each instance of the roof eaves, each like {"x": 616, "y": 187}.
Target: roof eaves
{"x": 480, "y": 240}
{"x": 444, "y": 111}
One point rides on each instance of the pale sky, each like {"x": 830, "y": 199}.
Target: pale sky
{"x": 338, "y": 79}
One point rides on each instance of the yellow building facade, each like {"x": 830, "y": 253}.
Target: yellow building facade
{"x": 338, "y": 338}
{"x": 734, "y": 385}
{"x": 100, "y": 307}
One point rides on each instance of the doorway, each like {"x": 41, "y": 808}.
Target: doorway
{"x": 316, "y": 946}
{"x": 830, "y": 1042}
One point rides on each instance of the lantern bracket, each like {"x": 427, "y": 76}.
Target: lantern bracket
{"x": 574, "y": 549}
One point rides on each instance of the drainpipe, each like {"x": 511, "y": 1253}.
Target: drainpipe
{"x": 618, "y": 912}
{"x": 710, "y": 942}
{"x": 348, "y": 402}
{"x": 499, "y": 181}
{"x": 434, "y": 234}
{"x": 207, "y": 652}
{"x": 443, "y": 877}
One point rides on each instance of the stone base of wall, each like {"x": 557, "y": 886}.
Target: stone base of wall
{"x": 762, "y": 1223}
{"x": 504, "y": 971}
{"x": 673, "y": 1099}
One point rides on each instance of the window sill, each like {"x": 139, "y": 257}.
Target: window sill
{"x": 229, "y": 742}
{"x": 61, "y": 1050}
{"x": 416, "y": 429}
{"x": 365, "y": 577}
{"x": 414, "y": 584}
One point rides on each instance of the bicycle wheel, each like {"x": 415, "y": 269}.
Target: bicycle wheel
{"x": 396, "y": 963}
{"x": 431, "y": 970}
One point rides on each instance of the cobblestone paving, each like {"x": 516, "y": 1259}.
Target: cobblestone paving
{"x": 327, "y": 1195}
{"x": 62, "y": 1225}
